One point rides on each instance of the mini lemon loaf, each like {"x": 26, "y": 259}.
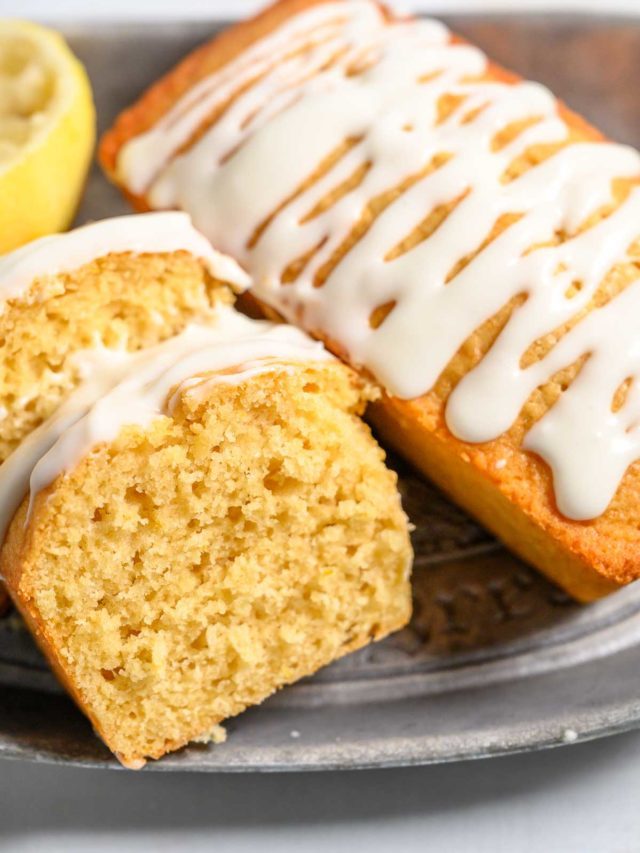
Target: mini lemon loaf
{"x": 124, "y": 283}
{"x": 208, "y": 521}
{"x": 447, "y": 228}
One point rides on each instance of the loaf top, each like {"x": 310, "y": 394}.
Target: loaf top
{"x": 452, "y": 229}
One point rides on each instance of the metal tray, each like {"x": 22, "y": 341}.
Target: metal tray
{"x": 496, "y": 659}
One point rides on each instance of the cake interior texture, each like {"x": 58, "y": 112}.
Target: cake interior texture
{"x": 191, "y": 568}
{"x": 117, "y": 301}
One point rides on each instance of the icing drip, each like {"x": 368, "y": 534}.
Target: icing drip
{"x": 340, "y": 73}
{"x": 133, "y": 388}
{"x": 144, "y": 233}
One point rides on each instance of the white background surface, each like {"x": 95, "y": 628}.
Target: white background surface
{"x": 143, "y": 9}
{"x": 578, "y": 799}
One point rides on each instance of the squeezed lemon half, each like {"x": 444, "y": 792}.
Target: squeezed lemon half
{"x": 47, "y": 132}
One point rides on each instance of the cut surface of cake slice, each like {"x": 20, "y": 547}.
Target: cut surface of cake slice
{"x": 208, "y": 520}
{"x": 449, "y": 229}
{"x": 119, "y": 284}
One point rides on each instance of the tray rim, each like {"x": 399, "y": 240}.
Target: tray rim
{"x": 604, "y": 720}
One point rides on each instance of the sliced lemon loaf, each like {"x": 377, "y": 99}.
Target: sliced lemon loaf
{"x": 208, "y": 521}
{"x": 124, "y": 283}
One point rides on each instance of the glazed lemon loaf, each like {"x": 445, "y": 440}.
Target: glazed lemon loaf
{"x": 452, "y": 230}
{"x": 196, "y": 536}
{"x": 123, "y": 284}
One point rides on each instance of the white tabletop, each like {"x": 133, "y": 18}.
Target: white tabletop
{"x": 577, "y": 799}
{"x": 168, "y": 9}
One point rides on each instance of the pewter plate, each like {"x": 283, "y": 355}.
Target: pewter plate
{"x": 496, "y": 659}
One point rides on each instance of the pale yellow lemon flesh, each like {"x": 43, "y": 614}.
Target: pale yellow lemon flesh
{"x": 47, "y": 132}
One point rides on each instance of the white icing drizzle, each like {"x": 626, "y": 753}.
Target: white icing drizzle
{"x": 133, "y": 388}
{"x": 144, "y": 233}
{"x": 287, "y": 104}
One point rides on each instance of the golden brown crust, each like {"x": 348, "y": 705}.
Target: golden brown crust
{"x": 515, "y": 502}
